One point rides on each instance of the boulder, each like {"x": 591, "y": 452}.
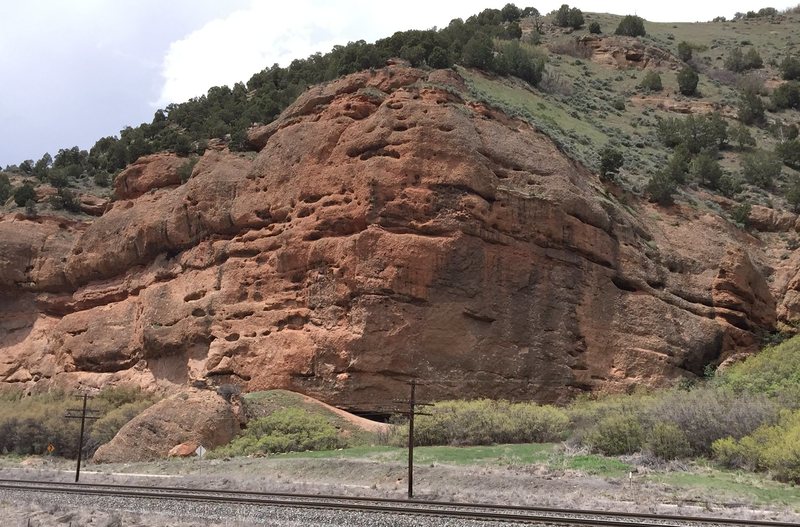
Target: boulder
{"x": 188, "y": 418}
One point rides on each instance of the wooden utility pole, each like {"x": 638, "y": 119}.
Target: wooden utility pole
{"x": 412, "y": 412}
{"x": 411, "y": 403}
{"x": 72, "y": 414}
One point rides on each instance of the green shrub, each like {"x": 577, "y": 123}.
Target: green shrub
{"x": 667, "y": 441}
{"x": 772, "y": 372}
{"x": 705, "y": 414}
{"x": 285, "y": 430}
{"x": 631, "y": 26}
{"x": 484, "y": 422}
{"x": 790, "y": 68}
{"x": 5, "y": 188}
{"x": 760, "y": 168}
{"x": 594, "y": 28}
{"x": 789, "y": 153}
{"x": 616, "y": 435}
{"x": 742, "y": 137}
{"x": 539, "y": 424}
{"x": 792, "y": 193}
{"x": 740, "y": 215}
{"x": 185, "y": 170}
{"x": 43, "y": 422}
{"x": 787, "y": 95}
{"x": 772, "y": 447}
{"x": 24, "y": 194}
{"x": 661, "y": 188}
{"x": 694, "y": 133}
{"x": 705, "y": 169}
{"x": 730, "y": 185}
{"x": 566, "y": 17}
{"x": 750, "y": 108}
{"x": 651, "y": 81}
{"x": 685, "y": 51}
{"x": 611, "y": 161}
{"x": 739, "y": 61}
{"x": 687, "y": 81}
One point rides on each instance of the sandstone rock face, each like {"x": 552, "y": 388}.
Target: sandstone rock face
{"x": 148, "y": 173}
{"x": 189, "y": 418}
{"x": 387, "y": 229}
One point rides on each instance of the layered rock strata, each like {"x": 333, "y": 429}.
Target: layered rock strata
{"x": 388, "y": 228}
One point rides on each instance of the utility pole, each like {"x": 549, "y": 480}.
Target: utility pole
{"x": 411, "y": 403}
{"x": 72, "y": 414}
{"x": 412, "y": 412}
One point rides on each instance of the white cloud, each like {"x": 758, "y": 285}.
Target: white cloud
{"x": 232, "y": 48}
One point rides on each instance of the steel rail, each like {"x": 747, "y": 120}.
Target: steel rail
{"x": 479, "y": 511}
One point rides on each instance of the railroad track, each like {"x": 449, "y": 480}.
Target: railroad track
{"x": 464, "y": 511}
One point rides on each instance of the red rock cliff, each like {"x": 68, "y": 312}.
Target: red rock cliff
{"x": 387, "y": 228}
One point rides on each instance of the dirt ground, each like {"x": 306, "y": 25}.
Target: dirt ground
{"x": 518, "y": 485}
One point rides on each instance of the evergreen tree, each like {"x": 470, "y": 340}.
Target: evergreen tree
{"x": 23, "y": 194}
{"x": 631, "y": 26}
{"x": 687, "y": 81}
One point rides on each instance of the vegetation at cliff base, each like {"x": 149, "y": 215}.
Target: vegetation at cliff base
{"x": 29, "y": 424}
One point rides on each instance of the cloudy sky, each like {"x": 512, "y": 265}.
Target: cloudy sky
{"x": 75, "y": 71}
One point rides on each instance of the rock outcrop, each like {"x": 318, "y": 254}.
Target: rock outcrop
{"x": 190, "y": 417}
{"x": 388, "y": 228}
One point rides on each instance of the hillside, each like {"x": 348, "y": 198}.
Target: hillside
{"x": 448, "y": 224}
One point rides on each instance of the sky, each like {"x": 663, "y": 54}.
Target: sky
{"x": 74, "y": 71}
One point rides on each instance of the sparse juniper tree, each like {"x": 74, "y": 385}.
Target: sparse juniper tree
{"x": 742, "y": 137}
{"x": 687, "y": 81}
{"x": 705, "y": 169}
{"x": 793, "y": 193}
{"x": 510, "y": 12}
{"x": 631, "y": 26}
{"x": 5, "y": 188}
{"x": 478, "y": 52}
{"x": 611, "y": 160}
{"x": 761, "y": 168}
{"x": 739, "y": 61}
{"x": 23, "y": 194}
{"x": 790, "y": 68}
{"x": 787, "y": 95}
{"x": 438, "y": 58}
{"x": 566, "y": 17}
{"x": 751, "y": 108}
{"x": 651, "y": 81}
{"x": 661, "y": 188}
{"x": 789, "y": 152}
{"x": 685, "y": 51}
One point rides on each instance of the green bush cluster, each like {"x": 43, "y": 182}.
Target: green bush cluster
{"x": 484, "y": 422}
{"x": 695, "y": 141}
{"x": 568, "y": 17}
{"x": 651, "y": 81}
{"x": 773, "y": 448}
{"x": 761, "y": 168}
{"x": 739, "y": 61}
{"x": 787, "y": 95}
{"x": 285, "y": 430}
{"x": 790, "y": 68}
{"x": 631, "y": 26}
{"x": 687, "y": 81}
{"x": 611, "y": 162}
{"x": 671, "y": 424}
{"x": 28, "y": 424}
